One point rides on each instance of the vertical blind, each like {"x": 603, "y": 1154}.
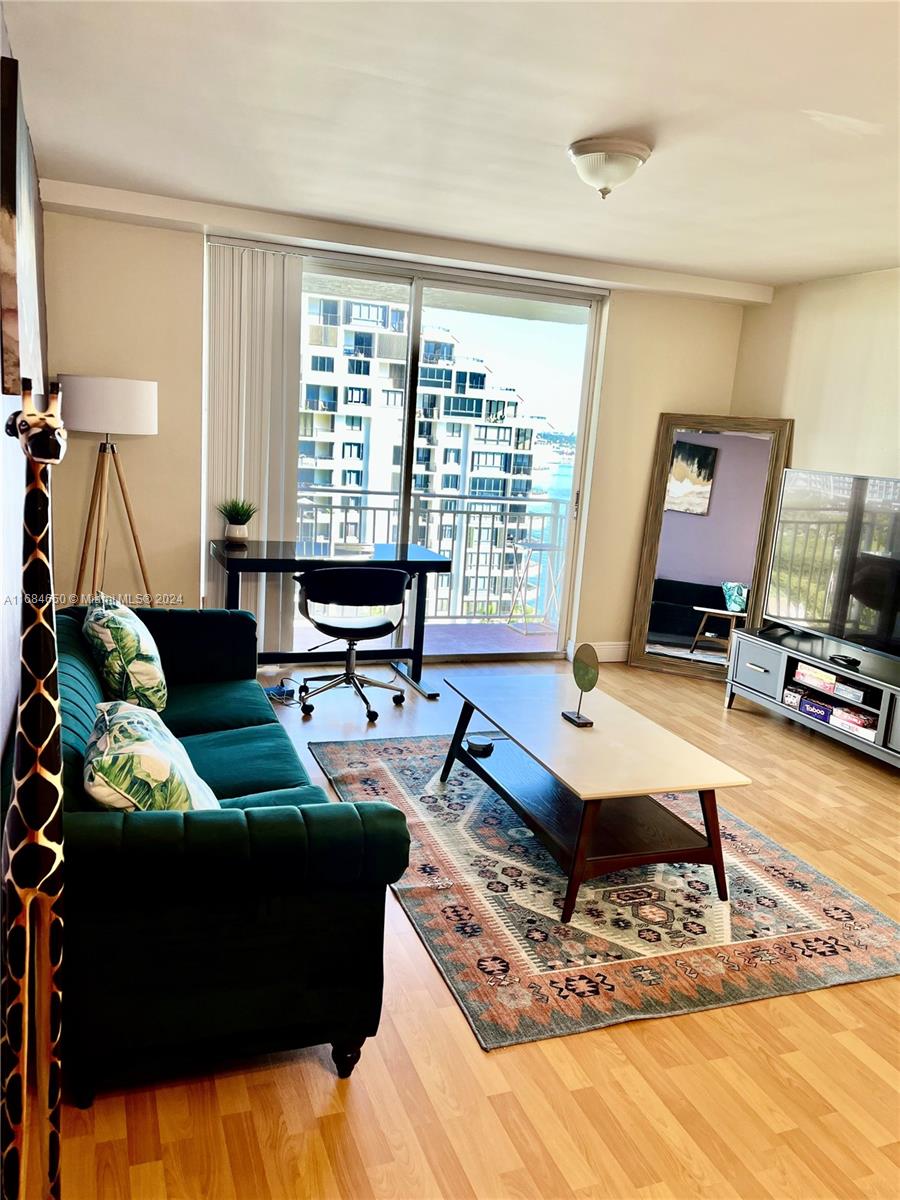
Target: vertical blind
{"x": 253, "y": 385}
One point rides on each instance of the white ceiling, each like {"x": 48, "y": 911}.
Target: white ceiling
{"x": 775, "y": 125}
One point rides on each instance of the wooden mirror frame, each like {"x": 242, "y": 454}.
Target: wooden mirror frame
{"x": 782, "y": 432}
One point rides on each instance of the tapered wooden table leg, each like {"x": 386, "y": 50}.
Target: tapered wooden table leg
{"x": 459, "y": 733}
{"x": 711, "y": 823}
{"x": 579, "y": 858}
{"x": 699, "y": 632}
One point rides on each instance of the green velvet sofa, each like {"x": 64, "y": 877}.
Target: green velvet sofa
{"x": 189, "y": 936}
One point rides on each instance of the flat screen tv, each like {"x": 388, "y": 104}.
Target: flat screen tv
{"x": 835, "y": 567}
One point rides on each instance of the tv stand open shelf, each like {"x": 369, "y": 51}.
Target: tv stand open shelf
{"x": 763, "y": 663}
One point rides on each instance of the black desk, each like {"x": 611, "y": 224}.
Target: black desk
{"x": 292, "y": 558}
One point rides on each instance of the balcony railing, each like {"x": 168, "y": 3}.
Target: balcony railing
{"x": 806, "y": 566}
{"x": 506, "y": 553}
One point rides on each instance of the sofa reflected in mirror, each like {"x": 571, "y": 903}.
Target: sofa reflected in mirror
{"x": 691, "y": 620}
{"x": 707, "y": 534}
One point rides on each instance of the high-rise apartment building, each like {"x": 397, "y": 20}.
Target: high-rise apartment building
{"x": 473, "y": 452}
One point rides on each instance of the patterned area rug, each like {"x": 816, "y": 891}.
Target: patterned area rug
{"x": 485, "y": 898}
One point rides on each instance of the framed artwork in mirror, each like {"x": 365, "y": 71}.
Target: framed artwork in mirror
{"x": 707, "y": 537}
{"x": 690, "y": 481}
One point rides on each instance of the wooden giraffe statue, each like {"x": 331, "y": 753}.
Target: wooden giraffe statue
{"x": 32, "y": 863}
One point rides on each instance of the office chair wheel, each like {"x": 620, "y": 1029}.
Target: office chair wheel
{"x": 306, "y": 709}
{"x": 372, "y": 714}
{"x": 399, "y": 698}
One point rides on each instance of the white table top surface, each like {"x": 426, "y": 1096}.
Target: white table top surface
{"x": 623, "y": 754}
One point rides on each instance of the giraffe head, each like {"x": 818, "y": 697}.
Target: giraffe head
{"x": 41, "y": 434}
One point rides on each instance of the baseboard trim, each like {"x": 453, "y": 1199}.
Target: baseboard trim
{"x": 606, "y": 651}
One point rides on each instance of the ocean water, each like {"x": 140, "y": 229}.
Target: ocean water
{"x": 553, "y": 479}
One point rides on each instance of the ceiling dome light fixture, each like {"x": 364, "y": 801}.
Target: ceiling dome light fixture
{"x": 605, "y": 162}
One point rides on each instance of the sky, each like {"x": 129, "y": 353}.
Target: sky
{"x": 543, "y": 360}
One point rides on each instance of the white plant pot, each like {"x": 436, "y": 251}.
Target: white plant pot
{"x": 237, "y": 533}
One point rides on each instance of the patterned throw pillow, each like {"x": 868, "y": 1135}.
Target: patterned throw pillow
{"x": 133, "y": 761}
{"x": 125, "y": 653}
{"x": 736, "y": 595}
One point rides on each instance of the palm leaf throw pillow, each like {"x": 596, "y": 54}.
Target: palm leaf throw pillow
{"x": 736, "y": 595}
{"x": 125, "y": 653}
{"x": 132, "y": 761}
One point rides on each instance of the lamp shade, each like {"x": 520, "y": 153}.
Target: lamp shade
{"x": 96, "y": 405}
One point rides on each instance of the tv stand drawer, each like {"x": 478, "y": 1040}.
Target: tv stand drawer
{"x": 758, "y": 667}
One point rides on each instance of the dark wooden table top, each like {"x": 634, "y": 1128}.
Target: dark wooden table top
{"x": 304, "y": 555}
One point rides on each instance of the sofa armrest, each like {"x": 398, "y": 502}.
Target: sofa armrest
{"x": 277, "y": 851}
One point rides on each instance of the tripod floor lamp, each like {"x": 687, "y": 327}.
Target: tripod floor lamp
{"x": 110, "y": 407}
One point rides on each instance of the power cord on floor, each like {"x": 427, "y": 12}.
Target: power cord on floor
{"x": 284, "y": 694}
{"x": 287, "y": 696}
{"x": 280, "y": 693}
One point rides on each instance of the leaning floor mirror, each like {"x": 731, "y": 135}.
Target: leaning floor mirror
{"x": 710, "y": 515}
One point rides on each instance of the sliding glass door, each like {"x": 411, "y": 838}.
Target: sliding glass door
{"x": 496, "y": 438}
{"x": 474, "y": 458}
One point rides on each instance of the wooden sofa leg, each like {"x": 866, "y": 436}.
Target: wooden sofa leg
{"x": 345, "y": 1055}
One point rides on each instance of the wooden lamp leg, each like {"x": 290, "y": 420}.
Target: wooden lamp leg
{"x": 88, "y": 527}
{"x": 120, "y": 475}
{"x": 103, "y": 507}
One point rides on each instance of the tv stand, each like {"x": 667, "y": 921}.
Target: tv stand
{"x": 764, "y": 666}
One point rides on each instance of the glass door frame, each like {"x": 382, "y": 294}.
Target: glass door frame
{"x": 419, "y": 276}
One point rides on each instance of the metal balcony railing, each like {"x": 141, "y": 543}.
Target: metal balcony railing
{"x": 806, "y": 561}
{"x": 506, "y": 553}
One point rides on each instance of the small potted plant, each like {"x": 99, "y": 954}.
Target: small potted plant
{"x": 238, "y": 515}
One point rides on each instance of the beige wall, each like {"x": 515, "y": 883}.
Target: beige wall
{"x": 127, "y": 301}
{"x": 826, "y": 354}
{"x": 662, "y": 354}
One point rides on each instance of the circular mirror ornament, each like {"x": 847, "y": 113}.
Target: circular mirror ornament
{"x": 586, "y": 669}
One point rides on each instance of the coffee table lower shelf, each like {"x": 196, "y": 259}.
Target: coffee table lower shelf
{"x": 592, "y": 837}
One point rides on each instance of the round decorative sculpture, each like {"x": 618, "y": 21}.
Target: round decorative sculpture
{"x": 586, "y": 669}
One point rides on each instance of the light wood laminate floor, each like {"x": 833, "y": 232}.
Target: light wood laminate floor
{"x": 790, "y": 1097}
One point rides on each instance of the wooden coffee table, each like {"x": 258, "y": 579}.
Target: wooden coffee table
{"x": 585, "y": 793}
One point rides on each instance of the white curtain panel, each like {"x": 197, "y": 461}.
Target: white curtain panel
{"x": 252, "y": 415}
